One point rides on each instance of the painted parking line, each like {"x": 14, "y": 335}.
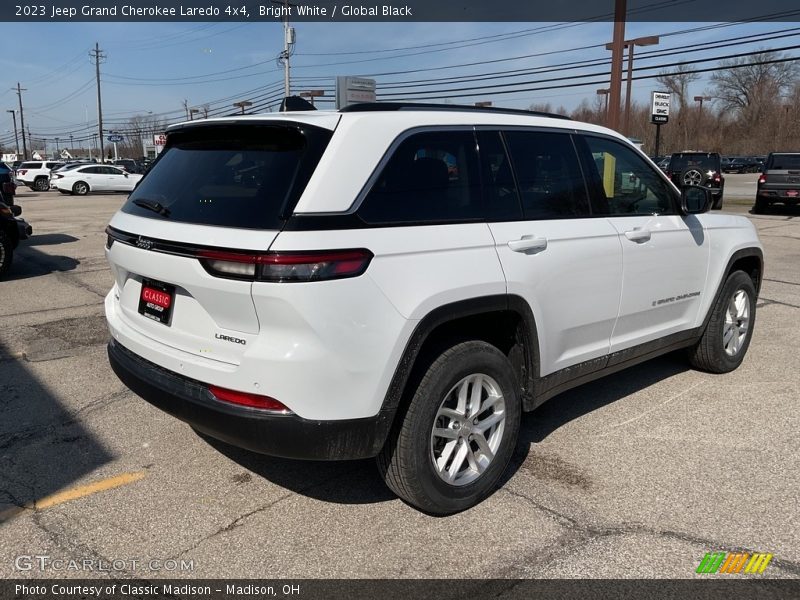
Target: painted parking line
{"x": 74, "y": 493}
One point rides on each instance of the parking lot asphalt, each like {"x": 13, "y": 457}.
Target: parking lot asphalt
{"x": 637, "y": 475}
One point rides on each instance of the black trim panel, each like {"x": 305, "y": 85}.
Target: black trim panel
{"x": 288, "y": 436}
{"x": 570, "y": 377}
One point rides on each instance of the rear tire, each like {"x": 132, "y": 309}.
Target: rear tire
{"x": 724, "y": 343}
{"x": 717, "y": 204}
{"x": 760, "y": 206}
{"x": 6, "y": 252}
{"x": 458, "y": 434}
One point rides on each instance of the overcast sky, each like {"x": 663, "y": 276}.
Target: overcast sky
{"x": 236, "y": 61}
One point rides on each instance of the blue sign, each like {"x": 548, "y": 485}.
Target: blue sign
{"x": 115, "y": 137}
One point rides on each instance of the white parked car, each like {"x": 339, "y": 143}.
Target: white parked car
{"x": 93, "y": 178}
{"x": 401, "y": 282}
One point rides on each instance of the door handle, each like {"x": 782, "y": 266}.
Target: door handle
{"x": 528, "y": 244}
{"x": 638, "y": 235}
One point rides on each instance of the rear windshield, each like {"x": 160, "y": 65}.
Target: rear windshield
{"x": 780, "y": 162}
{"x": 681, "y": 162}
{"x": 247, "y": 176}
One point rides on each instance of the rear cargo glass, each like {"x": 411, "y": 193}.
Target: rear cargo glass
{"x": 682, "y": 162}
{"x": 246, "y": 176}
{"x": 784, "y": 162}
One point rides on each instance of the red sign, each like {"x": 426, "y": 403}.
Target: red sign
{"x": 156, "y": 297}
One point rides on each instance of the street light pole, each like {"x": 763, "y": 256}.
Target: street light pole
{"x": 16, "y": 137}
{"x": 242, "y": 104}
{"x": 649, "y": 40}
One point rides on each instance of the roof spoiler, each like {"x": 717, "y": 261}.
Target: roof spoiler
{"x": 293, "y": 103}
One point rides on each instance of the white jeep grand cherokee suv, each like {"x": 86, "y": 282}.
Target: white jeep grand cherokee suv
{"x": 402, "y": 281}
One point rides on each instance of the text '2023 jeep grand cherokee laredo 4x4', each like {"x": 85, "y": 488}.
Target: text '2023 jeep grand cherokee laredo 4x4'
{"x": 402, "y": 282}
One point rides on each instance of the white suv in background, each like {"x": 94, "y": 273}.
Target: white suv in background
{"x": 402, "y": 281}
{"x": 36, "y": 173}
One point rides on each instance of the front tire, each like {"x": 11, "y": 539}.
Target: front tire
{"x": 724, "y": 343}
{"x": 41, "y": 184}
{"x": 459, "y": 432}
{"x": 80, "y": 188}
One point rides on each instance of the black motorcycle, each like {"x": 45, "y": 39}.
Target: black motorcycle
{"x": 13, "y": 228}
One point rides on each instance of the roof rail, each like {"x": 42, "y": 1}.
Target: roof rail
{"x": 397, "y": 106}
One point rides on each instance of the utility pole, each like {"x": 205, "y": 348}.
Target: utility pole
{"x": 186, "y": 108}
{"x": 16, "y": 137}
{"x": 98, "y": 56}
{"x": 288, "y": 45}
{"x": 22, "y": 123}
{"x": 617, "y": 45}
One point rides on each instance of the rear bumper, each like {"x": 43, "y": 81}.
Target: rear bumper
{"x": 288, "y": 436}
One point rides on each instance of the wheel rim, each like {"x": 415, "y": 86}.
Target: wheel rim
{"x": 737, "y": 323}
{"x": 468, "y": 429}
{"x": 80, "y": 188}
{"x": 693, "y": 177}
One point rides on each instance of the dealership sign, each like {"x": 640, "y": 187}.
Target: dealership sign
{"x": 660, "y": 107}
{"x": 352, "y": 90}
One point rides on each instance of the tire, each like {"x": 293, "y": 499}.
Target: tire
{"x": 717, "y": 204}
{"x": 691, "y": 177}
{"x": 6, "y": 252}
{"x": 408, "y": 462}
{"x": 760, "y": 206}
{"x": 80, "y": 188}
{"x": 724, "y": 343}
{"x": 41, "y": 184}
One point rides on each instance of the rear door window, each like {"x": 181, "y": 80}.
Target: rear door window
{"x": 230, "y": 175}
{"x": 31, "y": 165}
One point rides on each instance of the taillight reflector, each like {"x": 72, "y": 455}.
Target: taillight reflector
{"x": 247, "y": 399}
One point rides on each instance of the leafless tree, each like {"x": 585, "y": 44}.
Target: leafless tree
{"x": 139, "y": 129}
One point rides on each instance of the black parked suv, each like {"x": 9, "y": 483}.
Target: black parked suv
{"x": 12, "y": 229}
{"x": 7, "y": 186}
{"x": 698, "y": 168}
{"x": 780, "y": 181}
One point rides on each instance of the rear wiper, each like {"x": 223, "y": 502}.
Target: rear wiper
{"x": 156, "y": 207}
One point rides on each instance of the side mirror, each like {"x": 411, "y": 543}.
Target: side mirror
{"x": 125, "y": 174}
{"x": 695, "y": 200}
{"x": 16, "y": 210}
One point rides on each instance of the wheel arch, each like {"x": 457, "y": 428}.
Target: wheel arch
{"x": 505, "y": 321}
{"x": 751, "y": 261}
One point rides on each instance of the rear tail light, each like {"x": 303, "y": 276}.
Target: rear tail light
{"x": 717, "y": 176}
{"x": 247, "y": 399}
{"x": 56, "y": 176}
{"x": 22, "y": 171}
{"x": 762, "y": 179}
{"x": 669, "y": 173}
{"x": 281, "y": 267}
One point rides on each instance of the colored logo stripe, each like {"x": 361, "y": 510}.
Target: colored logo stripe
{"x": 733, "y": 562}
